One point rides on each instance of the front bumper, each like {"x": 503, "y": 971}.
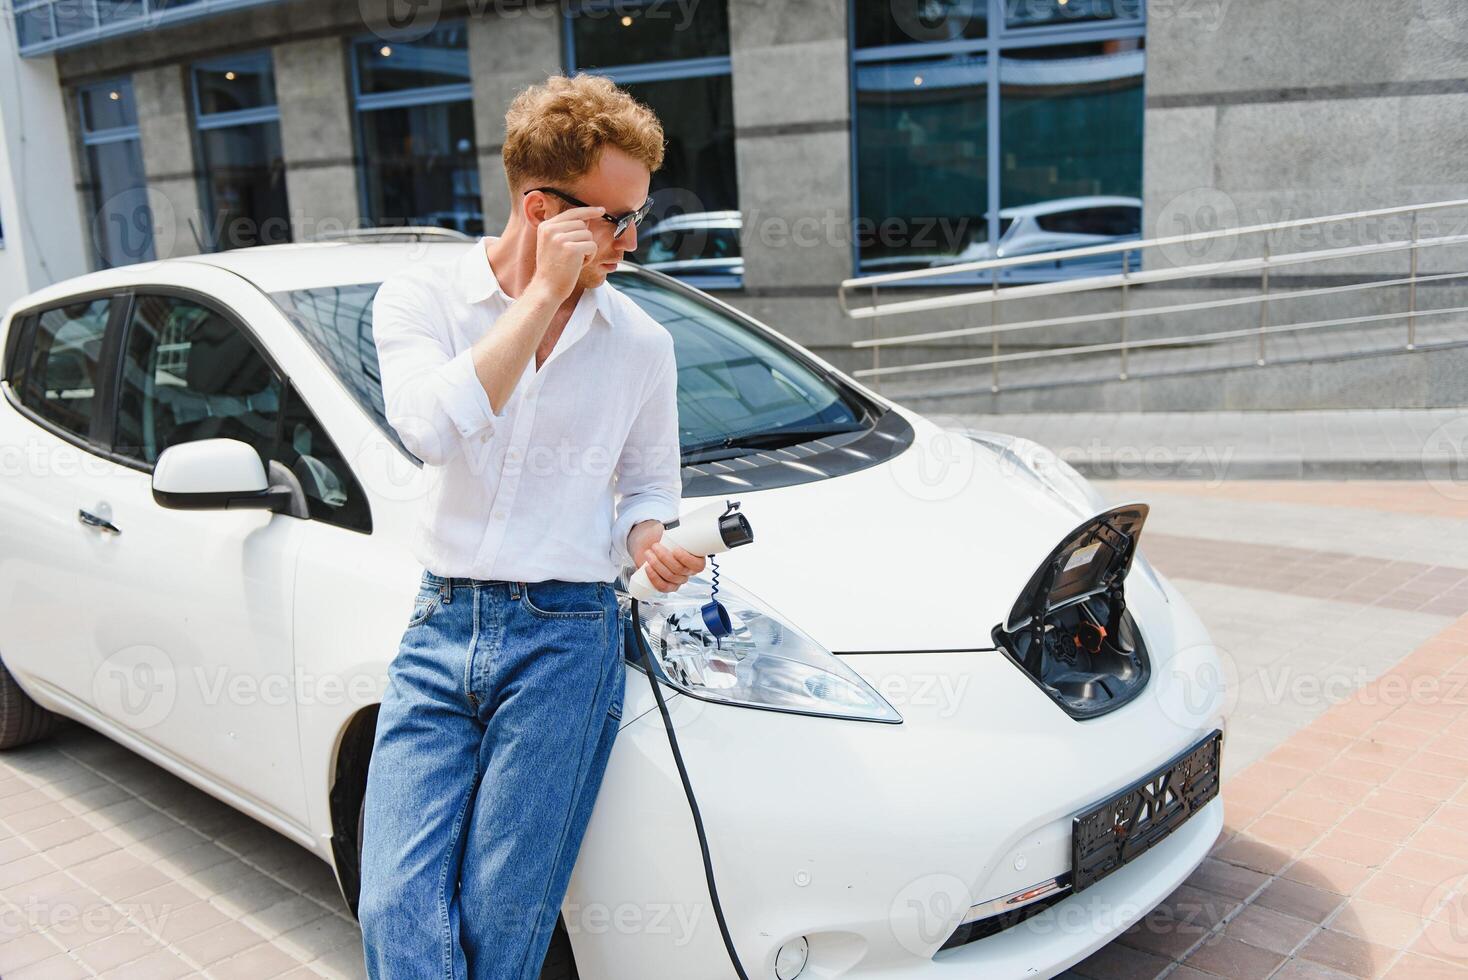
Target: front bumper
{"x": 872, "y": 841}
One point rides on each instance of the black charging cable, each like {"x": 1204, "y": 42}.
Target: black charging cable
{"x": 703, "y": 843}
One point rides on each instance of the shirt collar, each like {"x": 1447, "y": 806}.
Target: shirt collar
{"x": 478, "y": 282}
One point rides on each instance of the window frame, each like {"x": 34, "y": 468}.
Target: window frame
{"x": 403, "y": 99}
{"x": 654, "y": 71}
{"x": 207, "y": 121}
{"x": 101, "y": 137}
{"x": 998, "y": 39}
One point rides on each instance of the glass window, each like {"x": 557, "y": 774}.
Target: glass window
{"x": 1071, "y": 145}
{"x": 239, "y": 149}
{"x": 60, "y": 382}
{"x": 188, "y": 374}
{"x": 677, "y": 63}
{"x": 440, "y": 58}
{"x": 1031, "y": 13}
{"x": 337, "y": 322}
{"x": 333, "y": 494}
{"x": 122, "y": 223}
{"x": 731, "y": 380}
{"x": 234, "y": 84}
{"x": 914, "y": 21}
{"x": 1017, "y": 131}
{"x": 415, "y": 121}
{"x": 612, "y": 34}
{"x": 922, "y": 152}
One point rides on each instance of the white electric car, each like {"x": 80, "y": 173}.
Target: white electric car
{"x": 960, "y": 729}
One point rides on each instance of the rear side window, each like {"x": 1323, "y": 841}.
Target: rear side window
{"x": 59, "y": 379}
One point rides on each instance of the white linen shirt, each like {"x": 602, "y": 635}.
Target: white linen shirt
{"x": 585, "y": 447}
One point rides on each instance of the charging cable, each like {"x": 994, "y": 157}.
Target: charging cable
{"x": 703, "y": 843}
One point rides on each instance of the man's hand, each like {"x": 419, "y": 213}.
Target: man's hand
{"x": 563, "y": 246}
{"x": 668, "y": 565}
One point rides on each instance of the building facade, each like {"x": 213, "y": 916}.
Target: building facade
{"x": 808, "y": 140}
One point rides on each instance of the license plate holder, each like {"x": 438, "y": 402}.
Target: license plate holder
{"x": 1110, "y": 834}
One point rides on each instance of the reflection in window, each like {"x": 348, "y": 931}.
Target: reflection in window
{"x": 912, "y": 21}
{"x": 415, "y": 123}
{"x": 122, "y": 219}
{"x": 1071, "y": 146}
{"x": 608, "y": 35}
{"x": 239, "y": 145}
{"x": 1001, "y": 128}
{"x": 337, "y": 322}
{"x": 677, "y": 63}
{"x": 188, "y": 374}
{"x": 1031, "y": 13}
{"x": 61, "y": 378}
{"x": 922, "y": 147}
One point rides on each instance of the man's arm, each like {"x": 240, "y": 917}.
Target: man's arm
{"x": 436, "y": 400}
{"x": 650, "y": 486}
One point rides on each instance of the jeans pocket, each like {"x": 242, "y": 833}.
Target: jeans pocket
{"x": 554, "y": 599}
{"x": 423, "y": 606}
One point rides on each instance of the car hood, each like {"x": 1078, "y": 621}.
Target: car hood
{"x": 927, "y": 551}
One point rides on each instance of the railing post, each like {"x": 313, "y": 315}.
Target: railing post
{"x": 1263, "y": 301}
{"x": 1126, "y": 270}
{"x": 994, "y": 339}
{"x": 1412, "y": 290}
{"x": 876, "y": 350}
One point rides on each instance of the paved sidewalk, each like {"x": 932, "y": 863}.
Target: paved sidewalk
{"x": 1411, "y": 444}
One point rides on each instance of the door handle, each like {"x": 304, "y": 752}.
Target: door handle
{"x": 92, "y": 520}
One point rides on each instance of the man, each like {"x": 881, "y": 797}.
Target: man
{"x": 533, "y": 392}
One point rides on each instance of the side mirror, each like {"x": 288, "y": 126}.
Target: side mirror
{"x": 215, "y": 474}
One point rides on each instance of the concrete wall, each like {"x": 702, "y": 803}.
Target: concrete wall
{"x": 42, "y": 223}
{"x": 312, "y": 87}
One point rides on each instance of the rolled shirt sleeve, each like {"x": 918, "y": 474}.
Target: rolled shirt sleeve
{"x": 432, "y": 397}
{"x": 649, "y": 479}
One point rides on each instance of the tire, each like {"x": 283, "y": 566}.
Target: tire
{"x": 22, "y": 721}
{"x": 560, "y": 963}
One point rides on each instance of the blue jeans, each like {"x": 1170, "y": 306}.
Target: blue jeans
{"x": 501, "y": 708}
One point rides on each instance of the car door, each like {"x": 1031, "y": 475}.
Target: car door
{"x": 191, "y": 610}
{"x": 54, "y": 382}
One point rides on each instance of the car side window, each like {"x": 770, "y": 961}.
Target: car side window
{"x": 188, "y": 373}
{"x": 333, "y": 494}
{"x": 59, "y": 380}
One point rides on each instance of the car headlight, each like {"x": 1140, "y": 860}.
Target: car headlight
{"x": 764, "y": 662}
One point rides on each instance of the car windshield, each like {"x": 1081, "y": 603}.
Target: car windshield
{"x": 736, "y": 388}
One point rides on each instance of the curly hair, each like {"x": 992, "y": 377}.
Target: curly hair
{"x": 557, "y": 131}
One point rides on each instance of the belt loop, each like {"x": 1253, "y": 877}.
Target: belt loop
{"x": 446, "y": 590}
{"x": 515, "y": 588}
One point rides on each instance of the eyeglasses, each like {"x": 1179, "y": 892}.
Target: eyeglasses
{"x": 621, "y": 221}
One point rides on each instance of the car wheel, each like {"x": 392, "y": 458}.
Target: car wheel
{"x": 21, "y": 720}
{"x": 559, "y": 964}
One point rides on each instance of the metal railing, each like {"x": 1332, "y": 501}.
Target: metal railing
{"x": 1126, "y": 314}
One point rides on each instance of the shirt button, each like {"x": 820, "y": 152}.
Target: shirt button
{"x": 499, "y": 515}
{"x": 513, "y": 454}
